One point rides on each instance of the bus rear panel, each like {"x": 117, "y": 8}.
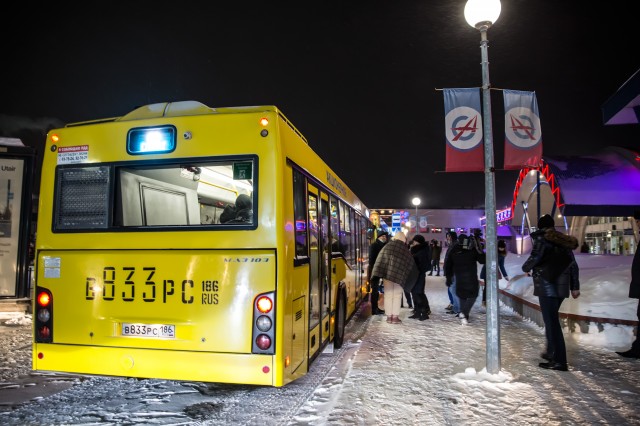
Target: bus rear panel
{"x": 110, "y": 307}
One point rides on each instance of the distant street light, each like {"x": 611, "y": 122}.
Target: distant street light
{"x": 481, "y": 14}
{"x": 416, "y": 202}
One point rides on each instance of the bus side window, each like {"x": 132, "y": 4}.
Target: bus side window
{"x": 300, "y": 215}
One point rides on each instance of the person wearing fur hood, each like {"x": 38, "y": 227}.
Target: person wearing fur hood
{"x": 555, "y": 276}
{"x": 394, "y": 265}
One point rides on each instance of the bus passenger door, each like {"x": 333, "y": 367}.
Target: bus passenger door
{"x": 314, "y": 269}
{"x": 339, "y": 254}
{"x": 325, "y": 272}
{"x": 319, "y": 254}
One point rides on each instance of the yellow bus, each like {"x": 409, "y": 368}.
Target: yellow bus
{"x": 185, "y": 242}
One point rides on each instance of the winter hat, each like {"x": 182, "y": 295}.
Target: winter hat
{"x": 453, "y": 235}
{"x": 243, "y": 202}
{"x": 545, "y": 221}
{"x": 383, "y": 234}
{"x": 400, "y": 236}
{"x": 419, "y": 239}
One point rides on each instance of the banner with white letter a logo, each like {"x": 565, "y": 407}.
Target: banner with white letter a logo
{"x": 463, "y": 129}
{"x": 523, "y": 135}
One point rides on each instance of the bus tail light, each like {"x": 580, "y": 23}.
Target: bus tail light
{"x": 263, "y": 342}
{"x": 44, "y": 316}
{"x": 264, "y": 122}
{"x": 263, "y": 324}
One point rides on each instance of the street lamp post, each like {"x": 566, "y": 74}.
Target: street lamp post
{"x": 416, "y": 202}
{"x": 481, "y": 14}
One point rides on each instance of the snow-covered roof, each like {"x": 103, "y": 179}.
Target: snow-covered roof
{"x": 11, "y": 142}
{"x": 603, "y": 184}
{"x": 623, "y": 107}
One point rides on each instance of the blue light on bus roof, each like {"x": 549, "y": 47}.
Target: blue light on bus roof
{"x": 151, "y": 140}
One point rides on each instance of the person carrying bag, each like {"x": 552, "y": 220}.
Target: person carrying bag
{"x": 555, "y": 275}
{"x": 396, "y": 267}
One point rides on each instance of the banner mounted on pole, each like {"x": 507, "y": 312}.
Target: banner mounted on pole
{"x": 463, "y": 129}
{"x": 523, "y": 134}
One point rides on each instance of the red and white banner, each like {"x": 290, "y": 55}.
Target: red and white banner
{"x": 422, "y": 224}
{"x": 523, "y": 134}
{"x": 463, "y": 129}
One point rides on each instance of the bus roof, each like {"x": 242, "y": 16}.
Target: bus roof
{"x": 177, "y": 109}
{"x": 183, "y": 108}
{"x": 186, "y": 108}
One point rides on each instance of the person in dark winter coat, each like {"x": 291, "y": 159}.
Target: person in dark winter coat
{"x": 450, "y": 280}
{"x": 374, "y": 282}
{"x": 242, "y": 212}
{"x": 634, "y": 293}
{"x": 421, "y": 255}
{"x": 462, "y": 263}
{"x": 394, "y": 265}
{"x": 555, "y": 276}
{"x": 436, "y": 250}
{"x": 229, "y": 213}
{"x": 502, "y": 254}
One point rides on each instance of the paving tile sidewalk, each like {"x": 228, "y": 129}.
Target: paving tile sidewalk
{"x": 431, "y": 373}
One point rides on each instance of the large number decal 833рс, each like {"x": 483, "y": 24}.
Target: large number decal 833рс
{"x": 122, "y": 285}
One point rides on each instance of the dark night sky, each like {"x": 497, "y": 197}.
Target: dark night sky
{"x": 357, "y": 78}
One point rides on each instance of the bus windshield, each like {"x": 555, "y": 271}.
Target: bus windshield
{"x": 209, "y": 193}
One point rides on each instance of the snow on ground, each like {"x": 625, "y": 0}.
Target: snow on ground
{"x": 415, "y": 373}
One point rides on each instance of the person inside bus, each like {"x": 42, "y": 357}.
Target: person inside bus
{"x": 229, "y": 213}
{"x": 244, "y": 210}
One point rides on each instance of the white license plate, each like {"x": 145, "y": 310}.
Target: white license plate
{"x": 158, "y": 331}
